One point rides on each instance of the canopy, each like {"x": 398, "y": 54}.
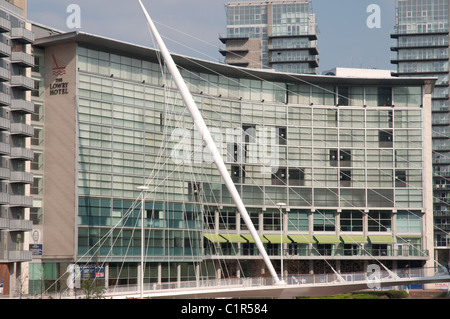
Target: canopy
{"x": 276, "y": 239}
{"x": 302, "y": 239}
{"x": 327, "y": 239}
{"x": 251, "y": 240}
{"x": 382, "y": 240}
{"x": 234, "y": 238}
{"x": 354, "y": 239}
{"x": 215, "y": 238}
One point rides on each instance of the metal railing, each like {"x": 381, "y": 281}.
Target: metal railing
{"x": 312, "y": 279}
{"x": 292, "y": 280}
{"x": 396, "y": 251}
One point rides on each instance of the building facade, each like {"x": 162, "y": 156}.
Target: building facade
{"x": 422, "y": 34}
{"x": 16, "y": 85}
{"x": 280, "y": 35}
{"x": 347, "y": 156}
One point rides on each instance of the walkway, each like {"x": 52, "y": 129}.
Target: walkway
{"x": 296, "y": 285}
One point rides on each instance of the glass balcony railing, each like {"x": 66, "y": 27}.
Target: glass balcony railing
{"x": 22, "y": 129}
{"x": 22, "y": 58}
{"x": 20, "y": 255}
{"x": 22, "y": 106}
{"x": 5, "y": 25}
{"x": 22, "y": 35}
{"x": 22, "y": 153}
{"x": 21, "y": 200}
{"x": 5, "y": 50}
{"x": 22, "y": 82}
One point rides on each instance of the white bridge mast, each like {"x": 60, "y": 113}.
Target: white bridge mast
{"x": 207, "y": 138}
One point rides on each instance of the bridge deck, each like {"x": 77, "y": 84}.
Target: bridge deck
{"x": 296, "y": 285}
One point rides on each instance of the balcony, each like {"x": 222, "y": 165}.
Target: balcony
{"x": 4, "y": 198}
{"x": 396, "y": 33}
{"x": 20, "y": 255}
{"x": 21, "y": 201}
{"x": 5, "y": 124}
{"x": 233, "y": 49}
{"x": 5, "y": 149}
{"x": 22, "y": 82}
{"x": 21, "y": 177}
{"x": 5, "y": 50}
{"x": 22, "y": 106}
{"x": 225, "y": 38}
{"x": 21, "y": 153}
{"x": 22, "y": 129}
{"x": 4, "y": 223}
{"x": 22, "y": 59}
{"x": 20, "y": 225}
{"x": 5, "y": 173}
{"x": 5, "y": 99}
{"x": 22, "y": 35}
{"x": 5, "y": 25}
{"x": 5, "y": 74}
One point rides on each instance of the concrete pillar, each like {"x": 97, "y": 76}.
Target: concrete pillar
{"x": 159, "y": 273}
{"x": 106, "y": 275}
{"x": 179, "y": 275}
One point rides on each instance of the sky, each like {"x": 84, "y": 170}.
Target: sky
{"x": 192, "y": 28}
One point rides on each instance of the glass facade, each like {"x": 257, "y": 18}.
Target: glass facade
{"x": 421, "y": 35}
{"x": 344, "y": 158}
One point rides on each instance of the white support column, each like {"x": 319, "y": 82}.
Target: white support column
{"x": 207, "y": 138}
{"x": 428, "y": 180}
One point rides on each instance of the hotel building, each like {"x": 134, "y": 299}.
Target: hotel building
{"x": 280, "y": 35}
{"x": 422, "y": 34}
{"x": 350, "y": 157}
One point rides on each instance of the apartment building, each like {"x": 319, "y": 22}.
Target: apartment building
{"x": 279, "y": 35}
{"x": 16, "y": 85}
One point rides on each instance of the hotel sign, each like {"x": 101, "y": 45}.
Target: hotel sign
{"x": 58, "y": 86}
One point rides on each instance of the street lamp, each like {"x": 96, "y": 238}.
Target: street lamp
{"x": 280, "y": 207}
{"x": 143, "y": 189}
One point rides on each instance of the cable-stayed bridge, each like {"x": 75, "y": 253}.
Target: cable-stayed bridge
{"x": 273, "y": 286}
{"x": 264, "y": 287}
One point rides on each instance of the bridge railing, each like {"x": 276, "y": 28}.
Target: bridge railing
{"x": 298, "y": 279}
{"x": 292, "y": 279}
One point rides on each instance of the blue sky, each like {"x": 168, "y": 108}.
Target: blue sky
{"x": 192, "y": 28}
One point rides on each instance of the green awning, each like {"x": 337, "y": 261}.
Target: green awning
{"x": 354, "y": 239}
{"x": 276, "y": 239}
{"x": 327, "y": 239}
{"x": 382, "y": 240}
{"x": 214, "y": 238}
{"x": 234, "y": 238}
{"x": 251, "y": 240}
{"x": 302, "y": 239}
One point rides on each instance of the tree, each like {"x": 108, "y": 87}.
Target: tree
{"x": 92, "y": 289}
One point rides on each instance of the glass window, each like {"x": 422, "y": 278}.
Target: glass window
{"x": 324, "y": 220}
{"x": 409, "y": 221}
{"x": 379, "y": 221}
{"x": 351, "y": 220}
{"x": 298, "y": 220}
